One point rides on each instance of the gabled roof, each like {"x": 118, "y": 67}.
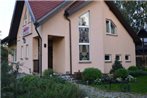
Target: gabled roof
{"x": 12, "y": 37}
{"x": 42, "y": 10}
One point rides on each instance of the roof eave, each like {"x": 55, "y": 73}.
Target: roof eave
{"x": 51, "y": 13}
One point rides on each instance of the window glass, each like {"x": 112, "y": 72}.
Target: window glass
{"x": 118, "y": 57}
{"x": 84, "y": 20}
{"x": 27, "y": 51}
{"x": 84, "y": 52}
{"x": 110, "y": 27}
{"x": 127, "y": 57}
{"x": 107, "y": 26}
{"x": 107, "y": 57}
{"x": 84, "y": 37}
{"x": 21, "y": 52}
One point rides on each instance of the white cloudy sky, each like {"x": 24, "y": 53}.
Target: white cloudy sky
{"x": 6, "y": 10}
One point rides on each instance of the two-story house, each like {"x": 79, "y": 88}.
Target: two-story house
{"x": 69, "y": 36}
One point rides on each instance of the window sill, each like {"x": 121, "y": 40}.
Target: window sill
{"x": 108, "y": 61}
{"x": 84, "y": 61}
{"x": 128, "y": 61}
{"x": 111, "y": 34}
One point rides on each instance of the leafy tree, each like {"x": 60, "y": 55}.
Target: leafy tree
{"x": 135, "y": 12}
{"x": 7, "y": 78}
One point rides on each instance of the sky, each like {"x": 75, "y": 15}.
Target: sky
{"x": 6, "y": 10}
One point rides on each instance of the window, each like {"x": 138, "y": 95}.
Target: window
{"x": 110, "y": 27}
{"x": 118, "y": 57}
{"x": 21, "y": 53}
{"x": 14, "y": 55}
{"x": 127, "y": 58}
{"x": 84, "y": 37}
{"x": 108, "y": 58}
{"x": 27, "y": 51}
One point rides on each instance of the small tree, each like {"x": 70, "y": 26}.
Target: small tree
{"x": 117, "y": 65}
{"x": 7, "y": 78}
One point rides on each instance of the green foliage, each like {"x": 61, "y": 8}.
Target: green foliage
{"x": 35, "y": 87}
{"x": 121, "y": 73}
{"x": 47, "y": 72}
{"x": 91, "y": 74}
{"x": 7, "y": 78}
{"x": 138, "y": 73}
{"x": 133, "y": 68}
{"x": 134, "y": 12}
{"x": 117, "y": 65}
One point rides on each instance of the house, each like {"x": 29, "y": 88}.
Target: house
{"x": 69, "y": 36}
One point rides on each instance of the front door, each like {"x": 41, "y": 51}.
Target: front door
{"x": 50, "y": 53}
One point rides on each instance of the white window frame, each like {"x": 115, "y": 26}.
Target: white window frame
{"x": 88, "y": 43}
{"x": 109, "y": 27}
{"x": 110, "y": 58}
{"x": 120, "y": 58}
{"x": 129, "y": 57}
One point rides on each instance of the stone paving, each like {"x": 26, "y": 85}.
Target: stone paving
{"x": 97, "y": 93}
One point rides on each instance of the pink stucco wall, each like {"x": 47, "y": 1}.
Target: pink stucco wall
{"x": 57, "y": 28}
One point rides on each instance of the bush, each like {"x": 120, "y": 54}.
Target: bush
{"x": 137, "y": 73}
{"x": 117, "y": 65}
{"x": 35, "y": 87}
{"x": 91, "y": 74}
{"x": 47, "y": 72}
{"x": 133, "y": 68}
{"x": 121, "y": 73}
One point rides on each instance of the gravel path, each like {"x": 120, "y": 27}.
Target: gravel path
{"x": 96, "y": 93}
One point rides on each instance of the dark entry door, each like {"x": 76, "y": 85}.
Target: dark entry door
{"x": 50, "y": 53}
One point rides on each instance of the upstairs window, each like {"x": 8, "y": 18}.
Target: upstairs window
{"x": 110, "y": 27}
{"x": 84, "y": 37}
{"x": 25, "y": 21}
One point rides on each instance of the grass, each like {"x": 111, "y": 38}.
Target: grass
{"x": 140, "y": 86}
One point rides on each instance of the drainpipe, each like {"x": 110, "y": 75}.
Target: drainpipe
{"x": 39, "y": 51}
{"x": 70, "y": 44}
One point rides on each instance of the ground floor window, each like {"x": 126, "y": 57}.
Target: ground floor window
{"x": 118, "y": 57}
{"x": 84, "y": 52}
{"x": 108, "y": 58}
{"x": 127, "y": 58}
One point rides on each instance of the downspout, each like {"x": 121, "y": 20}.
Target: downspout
{"x": 70, "y": 44}
{"x": 39, "y": 51}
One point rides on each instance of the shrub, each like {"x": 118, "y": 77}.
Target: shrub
{"x": 35, "y": 87}
{"x": 133, "y": 68}
{"x": 47, "y": 72}
{"x": 117, "y": 65}
{"x": 91, "y": 74}
{"x": 137, "y": 73}
{"x": 121, "y": 73}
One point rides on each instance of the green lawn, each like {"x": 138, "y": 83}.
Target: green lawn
{"x": 140, "y": 86}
